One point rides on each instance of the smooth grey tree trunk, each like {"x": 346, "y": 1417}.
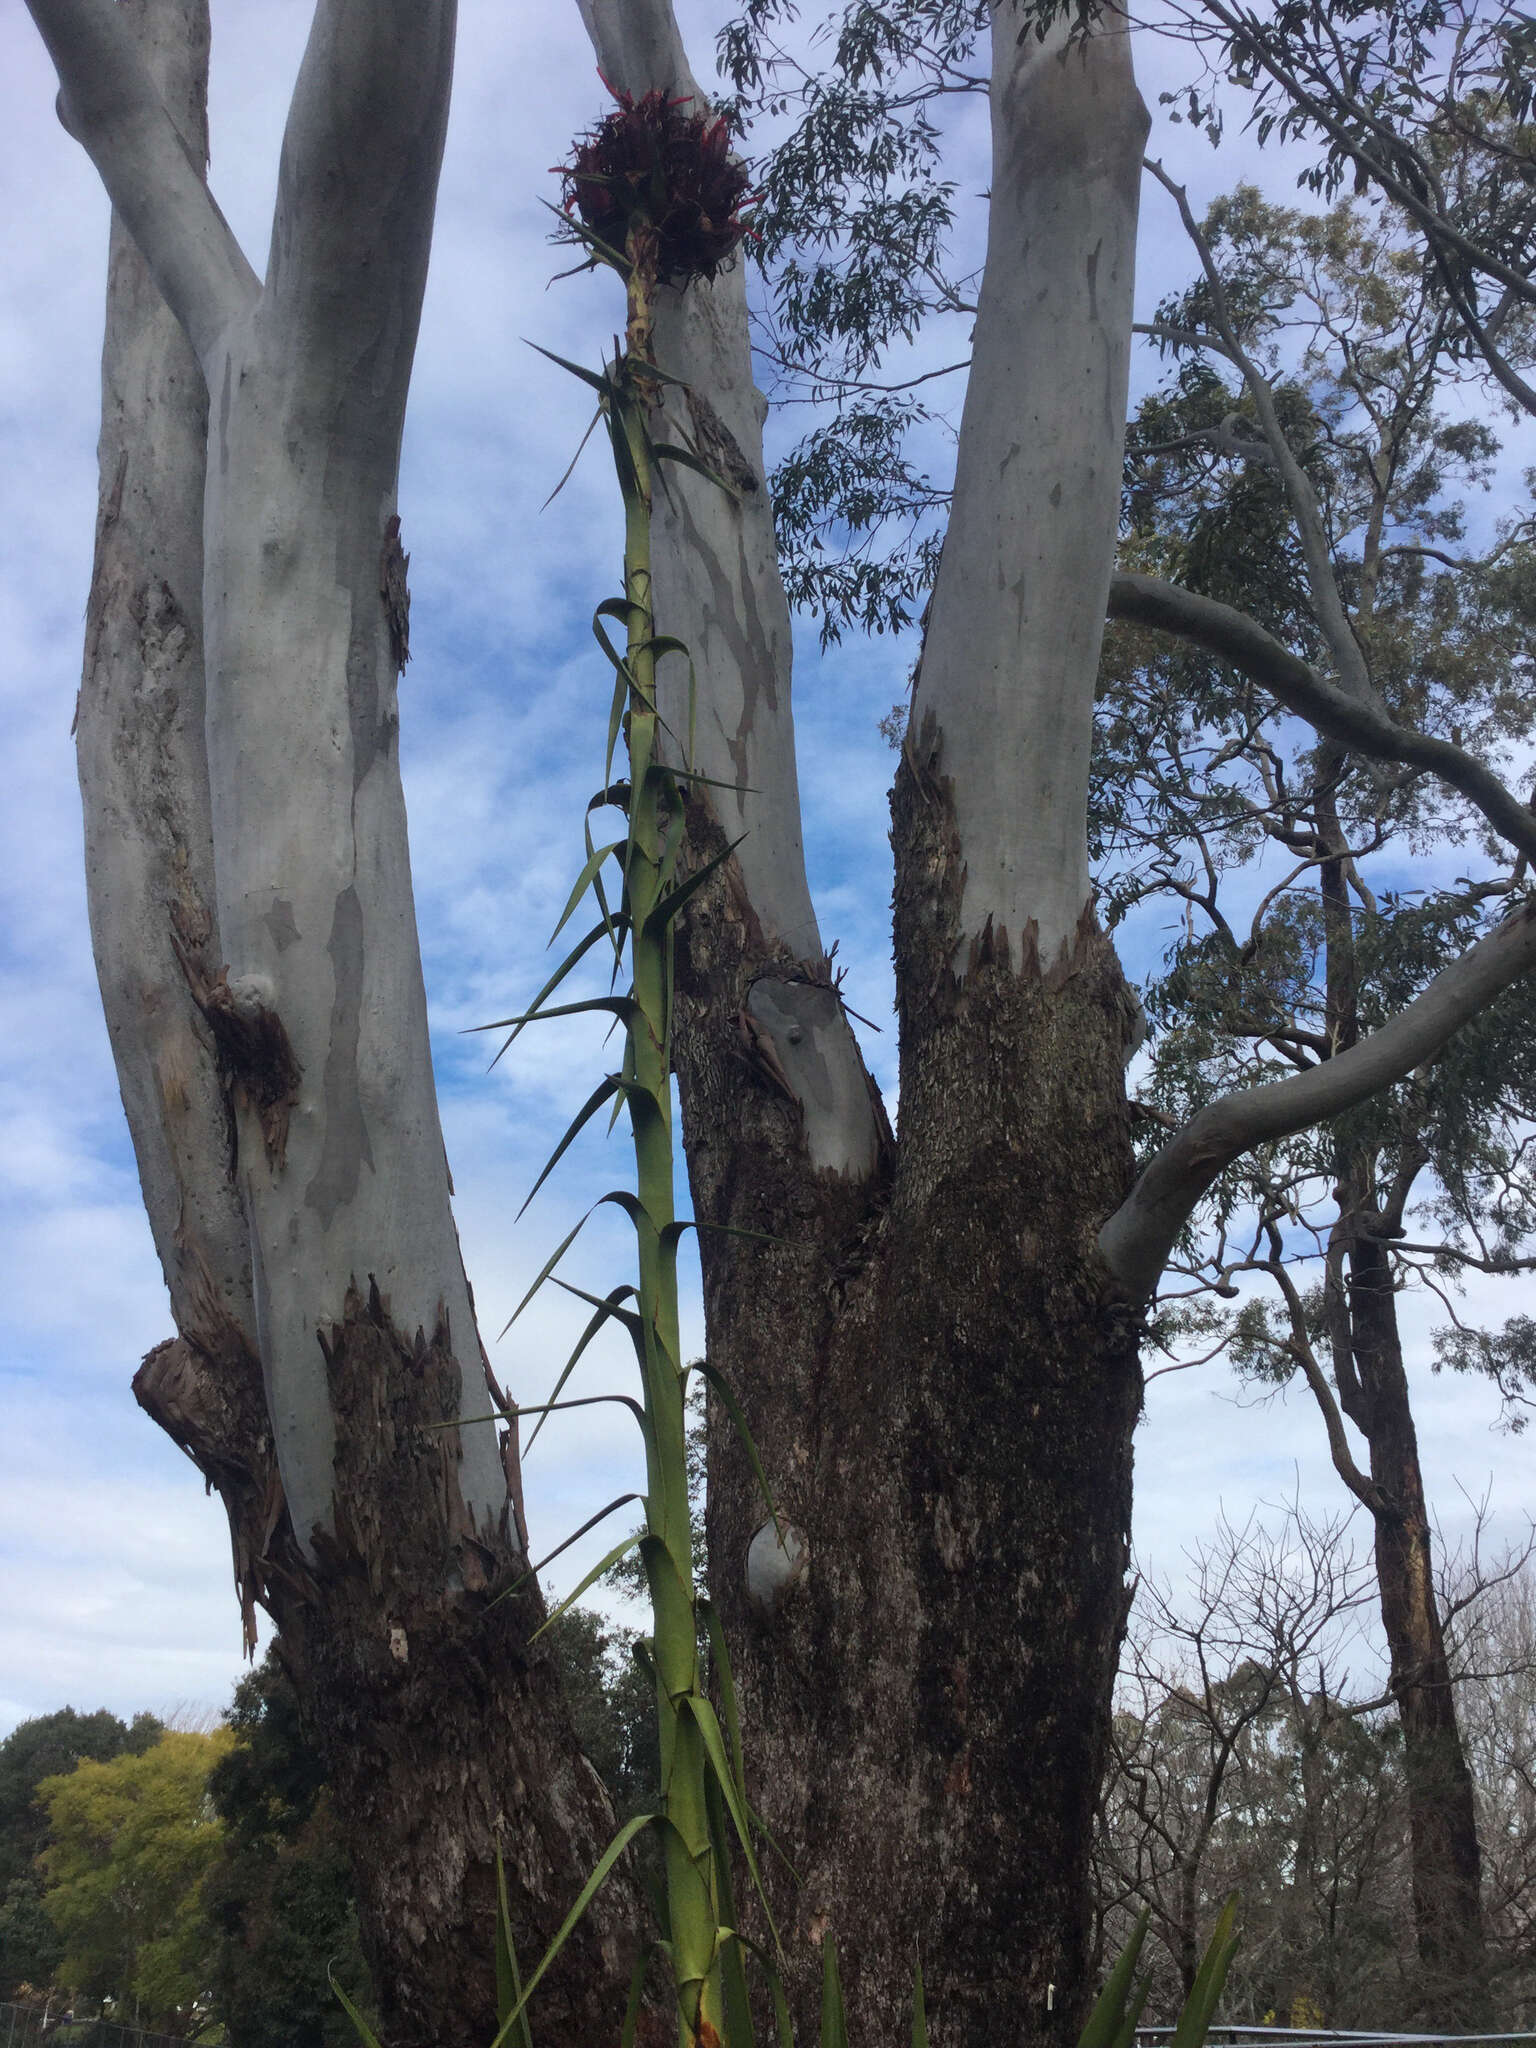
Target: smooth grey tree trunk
{"x": 251, "y": 914}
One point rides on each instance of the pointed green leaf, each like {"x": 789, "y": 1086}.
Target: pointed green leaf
{"x": 668, "y": 451}
{"x": 636, "y": 1996}
{"x": 677, "y": 898}
{"x": 919, "y": 2010}
{"x": 605, "y": 1311}
{"x": 733, "y": 1408}
{"x": 1104, "y": 2023}
{"x": 1194, "y": 2022}
{"x": 509, "y": 1983}
{"x": 726, "y": 1683}
{"x": 601, "y": 385}
{"x": 612, "y": 1006}
{"x": 588, "y": 1110}
{"x": 735, "y": 1799}
{"x": 547, "y": 1268}
{"x": 619, "y": 1550}
{"x": 570, "y": 466}
{"x": 587, "y": 1894}
{"x": 632, "y": 1323}
{"x": 578, "y": 952}
{"x": 834, "y": 2021}
{"x": 365, "y": 2033}
{"x": 584, "y": 882}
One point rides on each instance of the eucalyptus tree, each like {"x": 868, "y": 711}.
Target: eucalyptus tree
{"x": 1335, "y": 927}
{"x": 251, "y": 912}
{"x": 947, "y": 1416}
{"x": 935, "y": 1339}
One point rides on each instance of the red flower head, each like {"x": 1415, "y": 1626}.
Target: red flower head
{"x": 652, "y": 164}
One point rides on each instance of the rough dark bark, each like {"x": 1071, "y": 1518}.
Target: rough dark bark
{"x": 942, "y": 1385}
{"x": 1452, "y": 1990}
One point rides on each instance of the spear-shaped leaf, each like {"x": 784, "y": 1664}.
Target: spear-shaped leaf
{"x": 587, "y": 1894}
{"x": 509, "y": 1983}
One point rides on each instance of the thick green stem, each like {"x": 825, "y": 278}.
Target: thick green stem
{"x": 688, "y": 1855}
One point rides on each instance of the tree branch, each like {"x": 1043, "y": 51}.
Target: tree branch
{"x": 109, "y": 103}
{"x": 1137, "y": 1239}
{"x": 1223, "y": 630}
{"x": 357, "y": 190}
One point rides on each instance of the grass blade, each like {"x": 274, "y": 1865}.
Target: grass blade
{"x": 834, "y": 2020}
{"x": 509, "y": 1983}
{"x": 1106, "y": 2021}
{"x": 588, "y": 1893}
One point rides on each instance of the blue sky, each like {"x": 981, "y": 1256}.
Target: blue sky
{"x": 114, "y": 1575}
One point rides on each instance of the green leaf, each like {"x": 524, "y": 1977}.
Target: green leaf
{"x": 546, "y": 1269}
{"x": 570, "y": 466}
{"x": 584, "y": 882}
{"x": 726, "y": 1683}
{"x": 588, "y": 1893}
{"x": 602, "y": 385}
{"x": 619, "y": 1550}
{"x": 919, "y": 2010}
{"x": 365, "y": 2033}
{"x": 739, "y": 2031}
{"x": 621, "y": 1007}
{"x": 1194, "y": 2022}
{"x": 632, "y": 1323}
{"x": 668, "y": 451}
{"x": 610, "y": 1085}
{"x": 1106, "y": 2023}
{"x": 597, "y": 932}
{"x": 675, "y": 899}
{"x": 636, "y": 1996}
{"x": 834, "y": 2021}
{"x": 604, "y": 1313}
{"x": 735, "y": 1798}
{"x": 509, "y": 1983}
{"x": 733, "y": 1408}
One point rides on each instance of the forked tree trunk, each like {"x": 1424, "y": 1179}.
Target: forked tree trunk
{"x": 270, "y": 1032}
{"x": 938, "y": 1372}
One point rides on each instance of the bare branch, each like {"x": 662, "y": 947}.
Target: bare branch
{"x": 1223, "y": 630}
{"x": 1137, "y": 1239}
{"x": 109, "y": 103}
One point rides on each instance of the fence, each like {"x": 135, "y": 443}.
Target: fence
{"x": 1320, "y": 2037}
{"x": 39, "y": 2026}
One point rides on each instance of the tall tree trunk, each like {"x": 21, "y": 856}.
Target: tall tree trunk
{"x": 939, "y": 1375}
{"x": 1373, "y": 1390}
{"x": 1453, "y": 1988}
{"x": 313, "y": 1395}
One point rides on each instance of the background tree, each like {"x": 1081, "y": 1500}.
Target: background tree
{"x": 1239, "y": 1762}
{"x": 130, "y": 1844}
{"x": 43, "y": 1748}
{"x": 278, "y": 1896}
{"x": 1231, "y": 803}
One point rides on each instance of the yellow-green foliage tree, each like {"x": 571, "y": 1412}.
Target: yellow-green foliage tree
{"x": 130, "y": 1842}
